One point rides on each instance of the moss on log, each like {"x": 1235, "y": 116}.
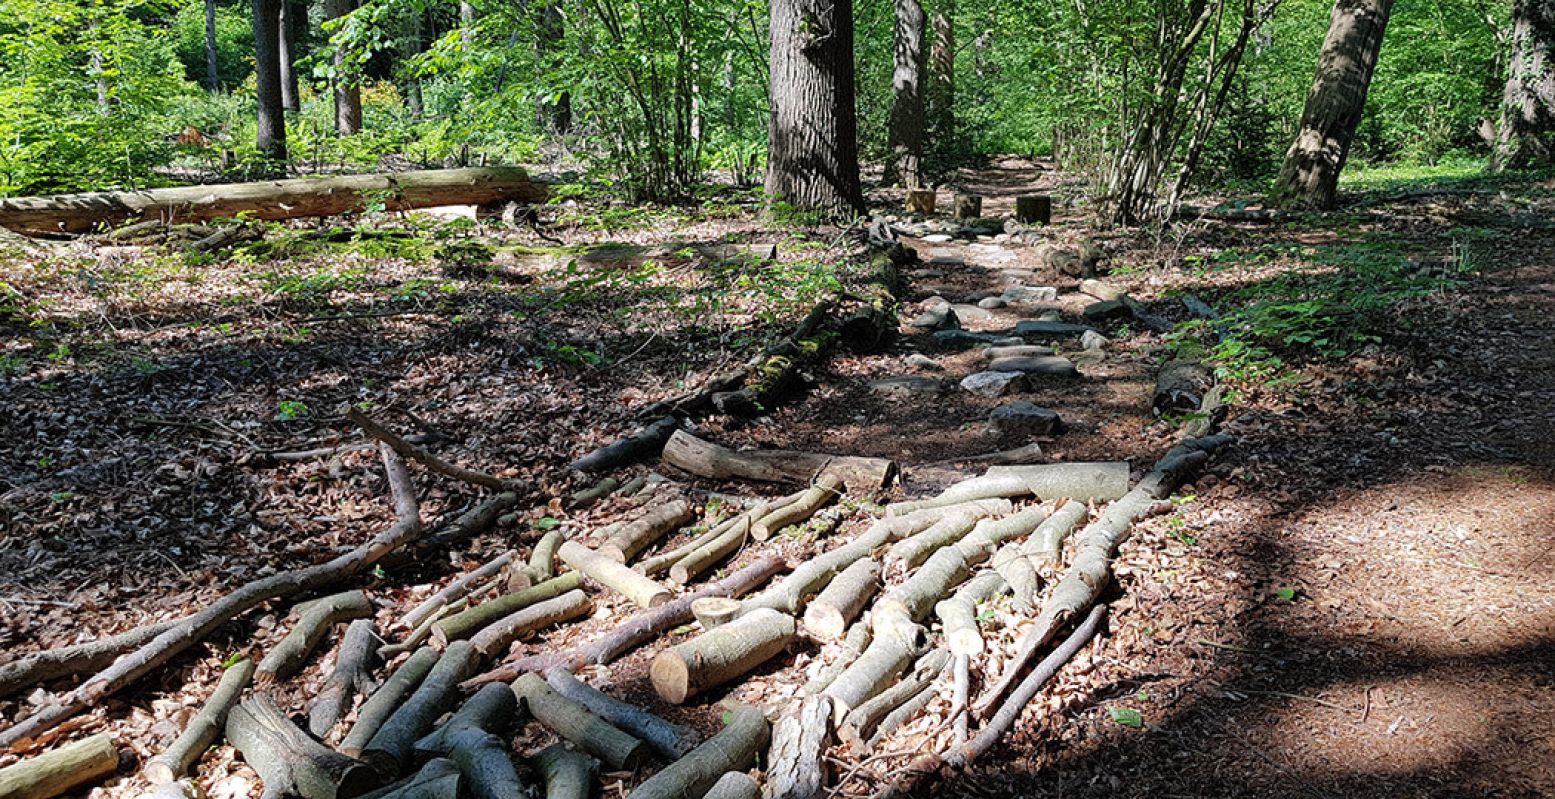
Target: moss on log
{"x": 55, "y": 772}
{"x": 571, "y": 720}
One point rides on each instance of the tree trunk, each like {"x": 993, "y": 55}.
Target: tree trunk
{"x": 1310, "y": 176}
{"x": 646, "y": 530}
{"x": 294, "y": 28}
{"x": 53, "y": 773}
{"x": 812, "y": 161}
{"x": 439, "y": 778}
{"x": 550, "y": 31}
{"x": 1526, "y": 135}
{"x": 491, "y": 709}
{"x": 827, "y": 616}
{"x": 828, "y": 487}
{"x": 905, "y": 137}
{"x": 348, "y": 88}
{"x": 672, "y": 741}
{"x": 212, "y": 72}
{"x": 796, "y": 762}
{"x": 568, "y": 773}
{"x": 614, "y": 747}
{"x": 267, "y": 81}
{"x": 411, "y": 44}
{"x": 941, "y": 104}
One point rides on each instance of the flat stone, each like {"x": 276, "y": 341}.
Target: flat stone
{"x": 945, "y": 258}
{"x": 1050, "y": 315}
{"x": 954, "y": 340}
{"x": 1043, "y": 327}
{"x": 1088, "y": 357}
{"x": 1108, "y": 310}
{"x": 991, "y": 303}
{"x": 971, "y": 312}
{"x": 1019, "y": 275}
{"x": 927, "y": 274}
{"x": 905, "y": 386}
{"x": 918, "y": 360}
{"x": 937, "y": 238}
{"x": 1019, "y": 351}
{"x": 1043, "y": 365}
{"x": 994, "y": 384}
{"x": 1092, "y": 340}
{"x": 938, "y": 317}
{"x": 1030, "y": 294}
{"x": 1021, "y": 419}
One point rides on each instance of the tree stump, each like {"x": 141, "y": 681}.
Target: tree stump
{"x": 1033, "y": 209}
{"x": 920, "y": 201}
{"x": 968, "y": 206}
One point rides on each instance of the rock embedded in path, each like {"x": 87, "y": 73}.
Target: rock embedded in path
{"x": 904, "y": 386}
{"x": 945, "y": 258}
{"x": 1021, "y": 419}
{"x": 1030, "y": 294}
{"x": 971, "y": 312}
{"x": 1040, "y": 327}
{"x": 939, "y": 316}
{"x": 991, "y": 303}
{"x": 1100, "y": 290}
{"x": 1108, "y": 310}
{"x": 994, "y": 384}
{"x": 1044, "y": 366}
{"x": 937, "y": 238}
{"x": 1092, "y": 340}
{"x": 918, "y": 360}
{"x": 1018, "y": 351}
{"x": 955, "y": 340}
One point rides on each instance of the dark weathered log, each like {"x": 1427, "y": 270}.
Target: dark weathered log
{"x": 273, "y": 199}
{"x": 203, "y": 729}
{"x": 289, "y": 762}
{"x": 487, "y": 767}
{"x": 720, "y": 655}
{"x": 645, "y": 443}
{"x": 733, "y": 749}
{"x": 353, "y": 674}
{"x": 478, "y": 519}
{"x": 1211, "y": 411}
{"x": 796, "y": 764}
{"x": 192, "y": 629}
{"x": 495, "y": 639}
{"x": 734, "y": 785}
{"x": 859, "y": 726}
{"x": 384, "y": 701}
{"x": 637, "y": 629}
{"x": 568, "y": 774}
{"x": 826, "y": 489}
{"x": 860, "y": 475}
{"x": 1180, "y": 387}
{"x": 613, "y": 746}
{"x": 670, "y": 740}
{"x": 958, "y": 615}
{"x": 455, "y": 591}
{"x": 55, "y": 772}
{"x": 438, "y": 779}
{"x": 491, "y": 709}
{"x": 40, "y": 667}
{"x": 826, "y": 618}
{"x": 314, "y": 620}
{"x": 1034, "y": 210}
{"x": 588, "y": 496}
{"x": 612, "y": 574}
{"x": 392, "y": 745}
{"x": 859, "y": 637}
{"x": 469, "y": 622}
{"x": 640, "y": 533}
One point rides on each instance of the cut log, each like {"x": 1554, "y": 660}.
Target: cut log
{"x": 542, "y": 559}
{"x": 491, "y": 709}
{"x": 383, "y": 702}
{"x": 890, "y": 650}
{"x": 859, "y": 636}
{"x": 568, "y": 774}
{"x": 796, "y": 764}
{"x": 704, "y": 459}
{"x": 272, "y": 199}
{"x": 193, "y": 629}
{"x": 1180, "y": 387}
{"x": 661, "y": 562}
{"x": 593, "y": 494}
{"x": 671, "y": 741}
{"x": 902, "y": 713}
{"x": 495, "y": 639}
{"x": 1087, "y": 482}
{"x": 645, "y": 443}
{"x": 920, "y": 201}
{"x": 961, "y": 696}
{"x": 1034, "y": 210}
{"x": 203, "y": 729}
{"x": 948, "y": 566}
{"x": 637, "y": 629}
{"x": 720, "y": 655}
{"x": 858, "y": 727}
{"x": 640, "y": 533}
{"x": 391, "y": 746}
{"x": 40, "y": 667}
{"x": 734, "y": 785}
{"x": 455, "y": 591}
{"x": 614, "y": 747}
{"x": 467, "y": 623}
{"x": 602, "y": 570}
{"x": 1047, "y": 542}
{"x": 958, "y": 615}
{"x": 486, "y": 766}
{"x": 438, "y": 779}
{"x": 968, "y": 207}
{"x": 177, "y": 789}
{"x": 478, "y": 519}
{"x": 353, "y": 674}
{"x": 913, "y": 551}
{"x": 715, "y": 611}
{"x": 314, "y": 620}
{"x": 825, "y": 490}
{"x": 704, "y": 557}
{"x": 52, "y": 773}
{"x": 1019, "y": 574}
{"x": 826, "y": 618}
{"x": 289, "y": 762}
{"x": 734, "y": 748}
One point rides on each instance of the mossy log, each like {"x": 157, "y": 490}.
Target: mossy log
{"x": 314, "y": 620}
{"x": 568, "y": 774}
{"x": 640, "y": 533}
{"x": 353, "y": 674}
{"x": 439, "y": 778}
{"x": 486, "y": 764}
{"x": 202, "y": 730}
{"x": 642, "y": 444}
{"x": 826, "y": 489}
{"x": 495, "y": 639}
{"x": 55, "y": 772}
{"x": 391, "y": 746}
{"x": 958, "y": 614}
{"x": 384, "y": 701}
{"x": 613, "y": 746}
{"x": 796, "y": 761}
{"x": 288, "y": 761}
{"x": 858, "y": 726}
{"x": 455, "y": 591}
{"x": 612, "y": 574}
{"x": 734, "y": 748}
{"x": 470, "y": 622}
{"x": 671, "y": 741}
{"x": 826, "y": 618}
{"x": 491, "y": 709}
{"x": 720, "y": 655}
{"x": 859, "y": 475}
{"x": 734, "y": 785}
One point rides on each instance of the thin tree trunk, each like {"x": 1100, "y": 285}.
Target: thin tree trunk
{"x": 294, "y": 24}
{"x": 348, "y": 90}
{"x": 410, "y": 46}
{"x": 942, "y": 67}
{"x": 555, "y": 116}
{"x": 212, "y": 72}
{"x": 466, "y": 23}
{"x": 1310, "y": 175}
{"x": 905, "y": 136}
{"x": 267, "y": 79}
{"x": 812, "y": 162}
{"x": 1526, "y": 135}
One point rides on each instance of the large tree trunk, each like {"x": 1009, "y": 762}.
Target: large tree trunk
{"x": 267, "y": 80}
{"x": 941, "y": 105}
{"x": 212, "y": 73}
{"x": 348, "y": 91}
{"x": 812, "y": 162}
{"x": 294, "y": 28}
{"x": 905, "y": 136}
{"x": 1526, "y": 136}
{"x": 1310, "y": 176}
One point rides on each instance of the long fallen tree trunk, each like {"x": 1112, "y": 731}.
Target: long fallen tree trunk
{"x": 273, "y": 199}
{"x": 705, "y": 459}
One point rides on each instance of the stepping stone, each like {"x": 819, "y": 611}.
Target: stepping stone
{"x": 1030, "y": 294}
{"x": 938, "y": 317}
{"x": 1019, "y": 275}
{"x": 937, "y": 238}
{"x": 1045, "y": 366}
{"x": 1019, "y": 351}
{"x": 1088, "y": 357}
{"x": 945, "y": 258}
{"x": 991, "y": 303}
{"x": 918, "y": 360}
{"x": 1023, "y": 419}
{"x": 1050, "y": 315}
{"x": 971, "y": 312}
{"x": 1092, "y": 340}
{"x": 994, "y": 384}
{"x": 955, "y": 340}
{"x": 1042, "y": 327}
{"x": 1108, "y": 310}
{"x": 927, "y": 274}
{"x": 905, "y": 386}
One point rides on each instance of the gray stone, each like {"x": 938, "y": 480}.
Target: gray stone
{"x": 1007, "y": 341}
{"x": 927, "y": 274}
{"x": 1093, "y": 340}
{"x": 994, "y": 384}
{"x": 1030, "y": 294}
{"x": 938, "y": 317}
{"x": 918, "y": 360}
{"x": 1088, "y": 357}
{"x": 945, "y": 258}
{"x": 1021, "y": 419}
{"x": 1050, "y": 315}
{"x": 905, "y": 386}
{"x": 1107, "y": 310}
{"x": 1043, "y": 365}
{"x": 955, "y": 340}
{"x": 936, "y": 238}
{"x": 1043, "y": 327}
{"x": 972, "y": 312}
{"x": 1019, "y": 351}
{"x": 991, "y": 303}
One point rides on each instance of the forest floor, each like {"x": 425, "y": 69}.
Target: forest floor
{"x": 1350, "y": 600}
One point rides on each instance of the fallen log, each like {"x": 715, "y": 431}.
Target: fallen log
{"x": 604, "y": 571}
{"x": 177, "y": 789}
{"x": 826, "y": 618}
{"x": 1180, "y": 387}
{"x": 1047, "y": 542}
{"x": 916, "y": 596}
{"x": 391, "y": 746}
{"x": 734, "y": 785}
{"x": 193, "y": 629}
{"x": 588, "y": 496}
{"x": 487, "y": 769}
{"x": 470, "y": 622}
{"x": 859, "y": 637}
{"x": 615, "y": 748}
{"x": 796, "y": 764}
{"x": 644, "y": 443}
{"x": 383, "y": 702}
{"x": 637, "y": 629}
{"x": 734, "y": 748}
{"x": 860, "y": 727}
{"x": 715, "y": 611}
{"x": 454, "y": 591}
{"x": 52, "y": 773}
{"x": 826, "y": 489}
{"x": 913, "y": 551}
{"x": 720, "y": 655}
{"x": 704, "y": 459}
{"x": 491, "y": 709}
{"x": 1086, "y": 482}
{"x": 638, "y": 534}
{"x": 495, "y": 639}
{"x": 438, "y": 779}
{"x": 542, "y": 559}
{"x": 272, "y": 199}
{"x": 910, "y": 707}
{"x": 890, "y": 649}
{"x": 288, "y": 761}
{"x": 1018, "y": 573}
{"x": 671, "y": 741}
{"x": 202, "y": 730}
{"x": 958, "y": 615}
{"x": 703, "y": 557}
{"x": 353, "y": 674}
{"x": 568, "y": 774}
{"x": 66, "y": 661}
{"x": 314, "y": 620}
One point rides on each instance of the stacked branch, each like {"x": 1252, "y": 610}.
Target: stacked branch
{"x": 671, "y": 741}
{"x": 612, "y": 574}
{"x": 390, "y": 748}
{"x": 202, "y": 730}
{"x": 384, "y": 701}
{"x": 571, "y": 720}
{"x": 858, "y": 475}
{"x": 353, "y": 674}
{"x": 52, "y": 773}
{"x": 720, "y": 655}
{"x": 470, "y": 622}
{"x": 314, "y": 620}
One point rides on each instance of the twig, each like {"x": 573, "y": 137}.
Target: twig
{"x": 427, "y": 459}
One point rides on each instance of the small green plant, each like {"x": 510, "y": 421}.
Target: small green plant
{"x": 287, "y": 410}
{"x": 1127, "y": 717}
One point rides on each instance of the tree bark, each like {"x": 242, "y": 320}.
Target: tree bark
{"x": 484, "y": 760}
{"x": 642, "y": 532}
{"x": 671, "y": 741}
{"x": 314, "y": 621}
{"x": 600, "y": 569}
{"x": 796, "y": 765}
{"x": 491, "y": 709}
{"x": 289, "y": 762}
{"x": 353, "y": 674}
{"x": 691, "y": 454}
{"x": 568, "y": 774}
{"x": 1526, "y": 136}
{"x": 826, "y": 618}
{"x": 812, "y": 161}
{"x": 439, "y": 778}
{"x": 203, "y": 729}
{"x": 469, "y": 622}
{"x": 348, "y": 87}
{"x": 958, "y": 615}
{"x": 391, "y": 746}
{"x": 212, "y": 72}
{"x": 52, "y": 773}
{"x": 613, "y": 746}
{"x": 733, "y": 749}
{"x": 720, "y": 655}
{"x": 1309, "y": 178}
{"x": 858, "y": 640}
{"x": 384, "y": 701}
{"x": 271, "y": 140}
{"x": 496, "y": 638}
{"x": 905, "y": 136}
{"x": 941, "y": 101}
{"x": 294, "y": 26}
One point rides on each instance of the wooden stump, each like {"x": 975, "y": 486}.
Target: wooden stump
{"x": 968, "y": 206}
{"x": 920, "y": 201}
{"x": 1033, "y": 209}
{"x": 53, "y": 773}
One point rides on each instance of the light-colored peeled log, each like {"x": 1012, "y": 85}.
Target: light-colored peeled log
{"x": 1100, "y": 481}
{"x": 734, "y": 785}
{"x": 859, "y": 636}
{"x": 859, "y": 724}
{"x": 52, "y": 773}
{"x": 715, "y": 611}
{"x": 669, "y": 740}
{"x": 1047, "y": 542}
{"x": 495, "y": 639}
{"x": 734, "y": 748}
{"x": 645, "y": 593}
{"x": 568, "y": 774}
{"x": 826, "y": 618}
{"x": 720, "y": 655}
{"x": 911, "y": 552}
{"x": 985, "y": 487}
{"x": 483, "y": 759}
{"x": 203, "y": 729}
{"x": 314, "y": 620}
{"x": 353, "y": 674}
{"x": 491, "y": 709}
{"x": 960, "y": 697}
{"x": 470, "y": 622}
{"x": 613, "y": 746}
{"x": 661, "y": 562}
{"x": 391, "y": 746}
{"x": 454, "y": 591}
{"x": 860, "y": 475}
{"x": 916, "y": 596}
{"x": 890, "y": 650}
{"x": 1019, "y": 574}
{"x": 906, "y": 710}
{"x": 542, "y": 559}
{"x": 796, "y": 768}
{"x": 439, "y": 778}
{"x": 289, "y": 762}
{"x": 378, "y": 707}
{"x": 703, "y": 557}
{"x": 826, "y": 489}
{"x": 636, "y": 535}
{"x": 958, "y": 614}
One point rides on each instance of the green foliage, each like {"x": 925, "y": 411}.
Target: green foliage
{"x": 234, "y": 43}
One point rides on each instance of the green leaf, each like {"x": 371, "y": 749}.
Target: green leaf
{"x": 235, "y": 659}
{"x": 547, "y": 523}
{"x": 1127, "y": 717}
{"x": 1287, "y": 594}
